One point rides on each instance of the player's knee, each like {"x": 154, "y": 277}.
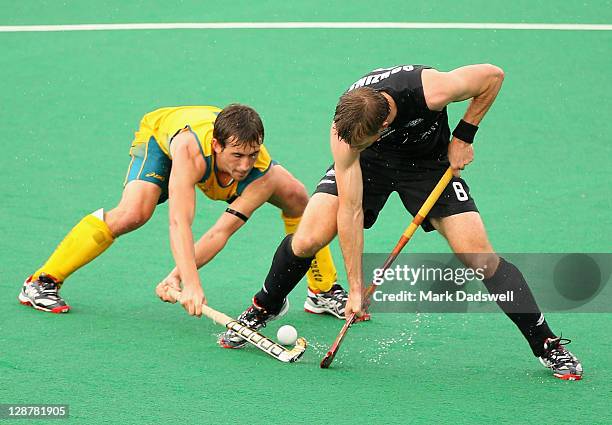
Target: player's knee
{"x": 490, "y": 266}
{"x": 305, "y": 245}
{"x": 496, "y": 72}
{"x": 296, "y": 199}
{"x": 124, "y": 221}
{"x": 135, "y": 219}
{"x": 486, "y": 262}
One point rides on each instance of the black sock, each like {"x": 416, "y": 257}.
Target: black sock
{"x": 285, "y": 273}
{"x": 523, "y": 310}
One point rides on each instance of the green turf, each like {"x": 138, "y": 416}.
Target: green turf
{"x": 70, "y": 103}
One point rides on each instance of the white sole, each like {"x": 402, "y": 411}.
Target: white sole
{"x": 319, "y": 310}
{"x": 28, "y": 302}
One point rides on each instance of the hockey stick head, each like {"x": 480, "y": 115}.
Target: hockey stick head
{"x": 328, "y": 359}
{"x": 296, "y": 353}
{"x": 268, "y": 346}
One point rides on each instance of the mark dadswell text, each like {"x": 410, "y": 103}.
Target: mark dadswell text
{"x": 446, "y": 296}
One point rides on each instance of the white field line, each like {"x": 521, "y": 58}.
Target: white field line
{"x": 306, "y": 25}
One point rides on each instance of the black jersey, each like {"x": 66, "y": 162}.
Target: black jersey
{"x": 416, "y": 132}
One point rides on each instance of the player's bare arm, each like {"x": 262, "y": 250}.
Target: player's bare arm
{"x": 350, "y": 217}
{"x": 187, "y": 168}
{"x": 481, "y": 83}
{"x": 215, "y": 238}
{"x": 213, "y": 241}
{"x": 206, "y": 248}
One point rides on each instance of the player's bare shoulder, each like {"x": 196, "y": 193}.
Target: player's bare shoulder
{"x": 185, "y": 142}
{"x": 442, "y": 88}
{"x": 185, "y": 150}
{"x": 436, "y": 88}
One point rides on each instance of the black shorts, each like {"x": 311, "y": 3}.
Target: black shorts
{"x": 412, "y": 180}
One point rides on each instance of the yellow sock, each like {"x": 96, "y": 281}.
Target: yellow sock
{"x": 322, "y": 273}
{"x": 88, "y": 239}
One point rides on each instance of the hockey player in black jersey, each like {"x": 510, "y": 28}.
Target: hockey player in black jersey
{"x": 390, "y": 133}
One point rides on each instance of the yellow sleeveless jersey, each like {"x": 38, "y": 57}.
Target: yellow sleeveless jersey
{"x": 163, "y": 124}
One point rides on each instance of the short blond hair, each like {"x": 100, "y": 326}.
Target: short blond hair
{"x": 360, "y": 114}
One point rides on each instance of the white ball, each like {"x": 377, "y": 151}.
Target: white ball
{"x": 286, "y": 335}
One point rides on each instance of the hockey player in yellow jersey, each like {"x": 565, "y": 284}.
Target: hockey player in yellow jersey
{"x": 175, "y": 151}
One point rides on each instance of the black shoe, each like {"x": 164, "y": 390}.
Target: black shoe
{"x": 42, "y": 294}
{"x": 254, "y": 318}
{"x": 331, "y": 302}
{"x": 560, "y": 360}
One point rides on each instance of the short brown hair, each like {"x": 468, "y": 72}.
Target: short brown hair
{"x": 360, "y": 113}
{"x": 241, "y": 122}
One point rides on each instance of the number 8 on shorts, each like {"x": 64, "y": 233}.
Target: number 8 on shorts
{"x": 460, "y": 191}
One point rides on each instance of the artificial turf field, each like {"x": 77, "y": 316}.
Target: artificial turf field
{"x": 71, "y": 102}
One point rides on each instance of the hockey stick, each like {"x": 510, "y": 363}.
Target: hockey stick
{"x": 416, "y": 222}
{"x": 258, "y": 340}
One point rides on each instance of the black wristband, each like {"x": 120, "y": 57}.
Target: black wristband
{"x": 465, "y": 131}
{"x": 237, "y": 214}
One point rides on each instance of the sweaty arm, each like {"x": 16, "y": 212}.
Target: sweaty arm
{"x": 188, "y": 167}
{"x": 480, "y": 83}
{"x": 350, "y": 217}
